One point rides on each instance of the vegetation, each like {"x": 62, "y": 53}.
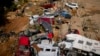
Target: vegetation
{"x": 7, "y": 6}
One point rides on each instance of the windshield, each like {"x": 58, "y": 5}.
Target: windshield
{"x": 49, "y": 14}
{"x": 69, "y": 40}
{"x": 72, "y": 4}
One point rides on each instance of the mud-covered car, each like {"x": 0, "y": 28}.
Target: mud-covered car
{"x": 23, "y": 48}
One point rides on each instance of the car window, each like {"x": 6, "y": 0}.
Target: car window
{"x": 49, "y": 14}
{"x": 96, "y": 43}
{"x": 53, "y": 50}
{"x": 47, "y": 49}
{"x": 93, "y": 50}
{"x": 80, "y": 41}
{"x": 72, "y": 4}
{"x": 88, "y": 43}
{"x": 69, "y": 40}
{"x": 65, "y": 12}
{"x": 46, "y": 10}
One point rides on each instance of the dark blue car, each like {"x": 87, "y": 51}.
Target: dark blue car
{"x": 65, "y": 14}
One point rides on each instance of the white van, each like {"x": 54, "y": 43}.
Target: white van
{"x": 84, "y": 43}
{"x": 78, "y": 42}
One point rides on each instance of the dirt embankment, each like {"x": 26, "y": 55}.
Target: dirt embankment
{"x": 17, "y": 24}
{"x": 9, "y": 47}
{"x": 21, "y": 23}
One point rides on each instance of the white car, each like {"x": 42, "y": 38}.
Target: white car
{"x": 47, "y": 49}
{"x": 72, "y": 5}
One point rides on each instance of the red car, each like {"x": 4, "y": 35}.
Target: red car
{"x": 49, "y": 20}
{"x": 23, "y": 46}
{"x": 46, "y": 6}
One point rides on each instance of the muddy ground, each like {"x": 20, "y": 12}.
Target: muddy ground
{"x": 88, "y": 14}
